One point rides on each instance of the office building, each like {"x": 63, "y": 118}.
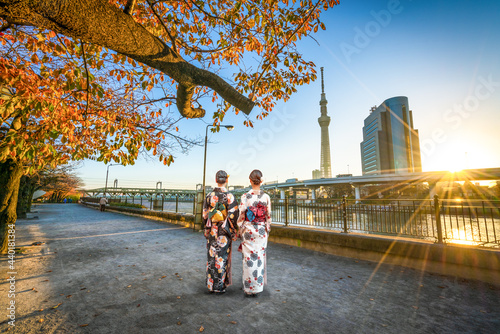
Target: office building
{"x": 390, "y": 142}
{"x": 316, "y": 174}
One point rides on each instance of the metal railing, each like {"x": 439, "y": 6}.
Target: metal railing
{"x": 473, "y": 222}
{"x": 173, "y": 203}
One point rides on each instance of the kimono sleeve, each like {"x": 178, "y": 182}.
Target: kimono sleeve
{"x": 206, "y": 208}
{"x": 232, "y": 210}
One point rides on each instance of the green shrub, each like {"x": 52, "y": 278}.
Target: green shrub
{"x": 74, "y": 198}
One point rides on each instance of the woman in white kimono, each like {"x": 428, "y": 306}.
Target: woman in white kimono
{"x": 254, "y": 224}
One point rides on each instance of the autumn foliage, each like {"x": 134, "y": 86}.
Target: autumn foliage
{"x": 60, "y": 102}
{"x": 95, "y": 79}
{"x": 256, "y": 39}
{"x": 252, "y": 44}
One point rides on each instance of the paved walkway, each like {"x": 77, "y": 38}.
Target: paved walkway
{"x": 110, "y": 273}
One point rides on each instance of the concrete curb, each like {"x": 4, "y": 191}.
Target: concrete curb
{"x": 462, "y": 261}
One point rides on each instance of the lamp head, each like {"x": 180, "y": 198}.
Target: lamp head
{"x": 229, "y": 127}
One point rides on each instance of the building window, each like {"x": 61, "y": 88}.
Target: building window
{"x": 370, "y": 163}
{"x": 372, "y": 123}
{"x": 368, "y": 157}
{"x": 369, "y": 150}
{"x": 369, "y": 141}
{"x": 371, "y": 131}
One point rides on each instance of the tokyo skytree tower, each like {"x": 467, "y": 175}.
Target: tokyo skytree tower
{"x": 324, "y": 122}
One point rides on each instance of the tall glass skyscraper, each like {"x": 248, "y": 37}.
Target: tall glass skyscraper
{"x": 390, "y": 143}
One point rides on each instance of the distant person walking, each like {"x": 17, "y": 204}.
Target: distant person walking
{"x": 254, "y": 224}
{"x": 220, "y": 212}
{"x": 102, "y": 202}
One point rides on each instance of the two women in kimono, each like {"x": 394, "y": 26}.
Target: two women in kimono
{"x": 224, "y": 222}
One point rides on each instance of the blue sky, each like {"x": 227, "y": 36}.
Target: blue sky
{"x": 444, "y": 56}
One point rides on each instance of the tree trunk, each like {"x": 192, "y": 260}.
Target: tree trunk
{"x": 10, "y": 177}
{"x": 31, "y": 193}
{"x": 22, "y": 197}
{"x": 27, "y": 187}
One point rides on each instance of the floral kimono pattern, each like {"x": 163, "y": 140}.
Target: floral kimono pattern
{"x": 219, "y": 238}
{"x": 254, "y": 224}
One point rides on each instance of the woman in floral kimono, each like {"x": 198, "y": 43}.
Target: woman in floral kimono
{"x": 254, "y": 224}
{"x": 220, "y": 212}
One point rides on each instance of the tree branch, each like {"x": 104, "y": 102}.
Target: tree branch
{"x": 264, "y": 70}
{"x": 100, "y": 23}
{"x": 234, "y": 24}
{"x": 183, "y": 99}
{"x": 156, "y": 100}
{"x": 88, "y": 78}
{"x": 172, "y": 39}
{"x": 129, "y": 7}
{"x": 6, "y": 26}
{"x": 179, "y": 139}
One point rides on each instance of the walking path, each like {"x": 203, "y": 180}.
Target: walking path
{"x": 104, "y": 272}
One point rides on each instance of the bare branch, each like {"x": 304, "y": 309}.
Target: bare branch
{"x": 156, "y": 100}
{"x": 220, "y": 18}
{"x": 177, "y": 138}
{"x": 194, "y": 49}
{"x": 264, "y": 70}
{"x": 88, "y": 77}
{"x": 6, "y": 26}
{"x": 172, "y": 39}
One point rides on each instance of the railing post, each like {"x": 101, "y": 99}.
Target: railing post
{"x": 176, "y": 202}
{"x": 344, "y": 213}
{"x": 286, "y": 211}
{"x": 294, "y": 209}
{"x": 194, "y": 205}
{"x": 437, "y": 213}
{"x": 199, "y": 199}
{"x": 162, "y": 201}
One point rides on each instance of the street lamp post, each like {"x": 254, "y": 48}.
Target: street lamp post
{"x": 230, "y": 128}
{"x": 107, "y": 172}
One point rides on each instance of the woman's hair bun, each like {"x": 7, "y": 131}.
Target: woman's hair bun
{"x": 221, "y": 177}
{"x": 256, "y": 176}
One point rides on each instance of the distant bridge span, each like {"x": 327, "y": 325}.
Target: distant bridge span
{"x": 482, "y": 174}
